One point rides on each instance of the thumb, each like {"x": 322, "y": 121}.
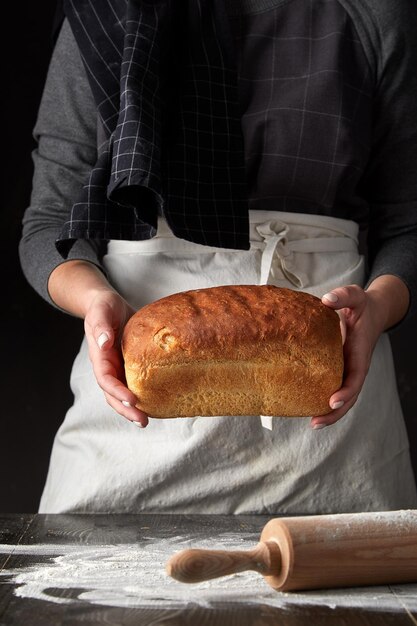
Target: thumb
{"x": 350, "y": 296}
{"x": 98, "y": 324}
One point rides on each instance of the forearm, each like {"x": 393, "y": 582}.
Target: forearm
{"x": 397, "y": 256}
{"x": 391, "y": 300}
{"x": 67, "y": 150}
{"x": 73, "y": 285}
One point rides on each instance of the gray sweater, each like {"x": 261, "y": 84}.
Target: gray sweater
{"x": 69, "y": 135}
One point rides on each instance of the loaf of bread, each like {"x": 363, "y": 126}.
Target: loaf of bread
{"x": 234, "y": 350}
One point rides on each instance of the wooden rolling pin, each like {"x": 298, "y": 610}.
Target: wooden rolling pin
{"x": 317, "y": 552}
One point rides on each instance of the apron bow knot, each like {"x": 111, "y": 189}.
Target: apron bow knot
{"x": 276, "y": 245}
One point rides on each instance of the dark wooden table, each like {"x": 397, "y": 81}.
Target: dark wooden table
{"x": 109, "y": 569}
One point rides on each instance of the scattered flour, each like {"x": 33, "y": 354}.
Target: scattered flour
{"x": 133, "y": 576}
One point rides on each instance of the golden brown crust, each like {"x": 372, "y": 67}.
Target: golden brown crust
{"x": 234, "y": 350}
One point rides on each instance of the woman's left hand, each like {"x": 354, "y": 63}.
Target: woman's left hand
{"x": 364, "y": 316}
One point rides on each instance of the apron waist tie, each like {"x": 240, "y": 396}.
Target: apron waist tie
{"x": 275, "y": 244}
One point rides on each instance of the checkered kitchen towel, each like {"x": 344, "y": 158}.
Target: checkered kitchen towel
{"x": 164, "y": 78}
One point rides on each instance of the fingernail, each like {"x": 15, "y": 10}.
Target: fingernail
{"x": 331, "y": 297}
{"x": 126, "y": 403}
{"x": 138, "y": 424}
{"x": 337, "y": 405}
{"x": 103, "y": 338}
{"x": 318, "y": 426}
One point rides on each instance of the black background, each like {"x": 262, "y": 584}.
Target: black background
{"x": 37, "y": 342}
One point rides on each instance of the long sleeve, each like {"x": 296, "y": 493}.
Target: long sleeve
{"x": 65, "y": 131}
{"x": 390, "y": 183}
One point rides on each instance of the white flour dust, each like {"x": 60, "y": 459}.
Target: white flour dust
{"x": 133, "y": 576}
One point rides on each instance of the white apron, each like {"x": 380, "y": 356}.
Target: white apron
{"x": 100, "y": 462}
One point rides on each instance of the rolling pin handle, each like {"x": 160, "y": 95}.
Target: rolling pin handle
{"x": 269, "y": 563}
{"x": 192, "y": 566}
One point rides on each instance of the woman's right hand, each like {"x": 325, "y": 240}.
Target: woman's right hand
{"x": 105, "y": 319}
{"x": 81, "y": 288}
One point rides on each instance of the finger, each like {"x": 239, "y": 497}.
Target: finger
{"x": 342, "y": 321}
{"x": 357, "y": 358}
{"x": 109, "y": 374}
{"x": 129, "y": 412}
{"x": 349, "y": 296}
{"x": 351, "y": 387}
{"x": 344, "y": 398}
{"x": 321, "y": 421}
{"x": 111, "y": 385}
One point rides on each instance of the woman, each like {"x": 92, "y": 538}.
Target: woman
{"x": 324, "y": 93}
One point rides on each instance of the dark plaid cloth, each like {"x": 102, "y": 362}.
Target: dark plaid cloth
{"x": 163, "y": 76}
